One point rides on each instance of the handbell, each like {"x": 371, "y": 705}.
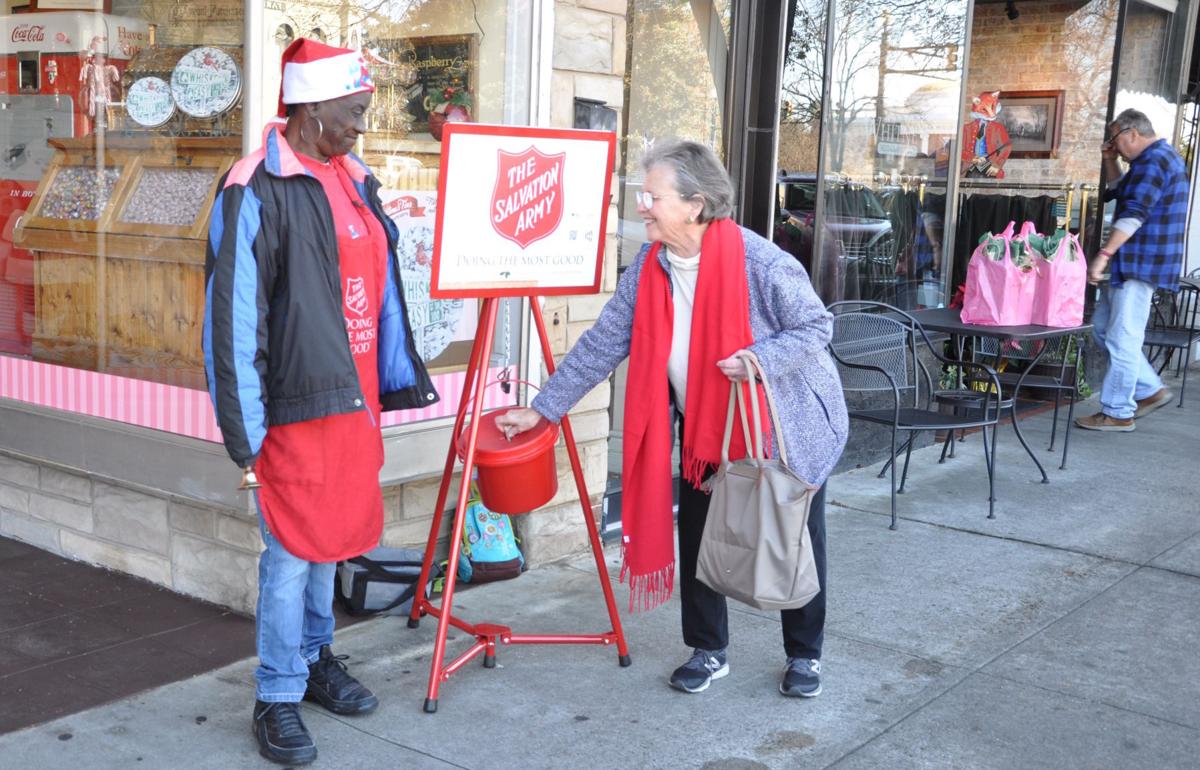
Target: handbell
{"x": 249, "y": 480}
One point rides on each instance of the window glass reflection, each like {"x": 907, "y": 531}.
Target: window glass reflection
{"x": 1049, "y": 69}
{"x": 675, "y": 88}
{"x": 888, "y": 137}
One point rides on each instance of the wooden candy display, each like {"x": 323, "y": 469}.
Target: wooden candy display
{"x": 119, "y": 243}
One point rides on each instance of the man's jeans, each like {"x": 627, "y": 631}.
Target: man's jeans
{"x": 294, "y": 619}
{"x": 1119, "y": 324}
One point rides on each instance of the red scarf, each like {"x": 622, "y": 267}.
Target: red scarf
{"x": 720, "y": 327}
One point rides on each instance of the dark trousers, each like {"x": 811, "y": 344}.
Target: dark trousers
{"x": 705, "y": 616}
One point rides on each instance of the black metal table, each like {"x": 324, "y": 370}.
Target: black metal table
{"x": 949, "y": 321}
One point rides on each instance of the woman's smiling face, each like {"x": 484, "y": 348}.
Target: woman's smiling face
{"x": 344, "y": 120}
{"x": 666, "y": 218}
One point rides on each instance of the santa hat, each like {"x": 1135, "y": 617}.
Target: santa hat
{"x": 315, "y": 72}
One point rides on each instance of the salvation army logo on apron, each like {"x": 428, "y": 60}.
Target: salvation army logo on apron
{"x": 527, "y": 201}
{"x": 356, "y": 296}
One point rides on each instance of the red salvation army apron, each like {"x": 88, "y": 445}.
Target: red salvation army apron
{"x": 320, "y": 491}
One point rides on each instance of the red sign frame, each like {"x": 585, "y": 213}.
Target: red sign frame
{"x": 533, "y": 134}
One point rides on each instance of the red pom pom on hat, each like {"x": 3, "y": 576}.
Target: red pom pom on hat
{"x": 315, "y": 72}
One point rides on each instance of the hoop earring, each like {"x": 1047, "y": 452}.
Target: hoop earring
{"x": 320, "y": 129}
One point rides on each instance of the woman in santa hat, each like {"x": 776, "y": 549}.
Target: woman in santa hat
{"x": 306, "y": 342}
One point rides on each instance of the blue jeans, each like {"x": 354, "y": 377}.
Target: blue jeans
{"x": 1119, "y": 324}
{"x": 293, "y": 620}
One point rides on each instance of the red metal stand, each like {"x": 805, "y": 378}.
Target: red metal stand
{"x": 487, "y": 635}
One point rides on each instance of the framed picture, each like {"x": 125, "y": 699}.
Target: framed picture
{"x": 1033, "y": 120}
{"x": 440, "y": 63}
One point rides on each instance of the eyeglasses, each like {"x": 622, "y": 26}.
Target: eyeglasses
{"x": 1113, "y": 138}
{"x": 646, "y": 199}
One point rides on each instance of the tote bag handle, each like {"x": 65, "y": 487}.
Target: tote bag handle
{"x": 757, "y": 448}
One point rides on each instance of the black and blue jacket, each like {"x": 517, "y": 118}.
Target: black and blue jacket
{"x": 275, "y": 344}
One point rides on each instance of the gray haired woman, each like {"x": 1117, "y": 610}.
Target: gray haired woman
{"x": 702, "y": 291}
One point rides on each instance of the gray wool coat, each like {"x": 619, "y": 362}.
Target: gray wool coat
{"x": 791, "y": 330}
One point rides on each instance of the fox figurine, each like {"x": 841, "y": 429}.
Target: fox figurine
{"x": 985, "y": 142}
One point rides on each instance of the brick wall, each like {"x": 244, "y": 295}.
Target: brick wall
{"x": 1053, "y": 45}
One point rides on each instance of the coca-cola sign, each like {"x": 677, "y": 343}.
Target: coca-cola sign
{"x": 28, "y": 33}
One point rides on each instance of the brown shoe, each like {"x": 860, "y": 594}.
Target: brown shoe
{"x": 1148, "y": 404}
{"x": 1101, "y": 421}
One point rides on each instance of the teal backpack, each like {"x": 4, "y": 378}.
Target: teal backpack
{"x": 489, "y": 546}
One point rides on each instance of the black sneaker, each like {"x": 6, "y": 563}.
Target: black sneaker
{"x": 703, "y": 667}
{"x": 282, "y": 736}
{"x": 801, "y": 678}
{"x": 331, "y": 686}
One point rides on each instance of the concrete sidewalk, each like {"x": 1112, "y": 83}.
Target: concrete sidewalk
{"x": 1061, "y": 634}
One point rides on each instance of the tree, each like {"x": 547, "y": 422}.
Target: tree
{"x": 855, "y": 85}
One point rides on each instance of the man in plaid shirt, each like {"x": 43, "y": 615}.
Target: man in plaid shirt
{"x": 1145, "y": 249}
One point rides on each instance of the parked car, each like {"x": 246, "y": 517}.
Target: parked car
{"x": 858, "y": 238}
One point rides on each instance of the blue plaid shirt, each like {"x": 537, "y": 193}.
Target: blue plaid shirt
{"x": 1155, "y": 192}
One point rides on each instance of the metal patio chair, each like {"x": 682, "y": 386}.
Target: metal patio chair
{"x": 878, "y": 349}
{"x": 1173, "y": 329}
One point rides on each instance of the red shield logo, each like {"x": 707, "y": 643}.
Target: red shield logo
{"x": 527, "y": 202}
{"x": 356, "y": 296}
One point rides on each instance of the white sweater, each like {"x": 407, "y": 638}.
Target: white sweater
{"x": 684, "y": 271}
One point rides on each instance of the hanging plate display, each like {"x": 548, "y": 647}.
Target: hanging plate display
{"x": 149, "y": 102}
{"x": 205, "y": 82}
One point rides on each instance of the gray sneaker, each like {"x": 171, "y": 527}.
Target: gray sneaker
{"x": 699, "y": 671}
{"x": 801, "y": 678}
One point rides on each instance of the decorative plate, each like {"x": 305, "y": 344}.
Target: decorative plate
{"x": 149, "y": 102}
{"x": 206, "y": 82}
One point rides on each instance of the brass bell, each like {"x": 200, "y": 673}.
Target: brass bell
{"x": 249, "y": 480}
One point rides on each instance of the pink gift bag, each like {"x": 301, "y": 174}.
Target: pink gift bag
{"x": 1062, "y": 282}
{"x": 1001, "y": 280}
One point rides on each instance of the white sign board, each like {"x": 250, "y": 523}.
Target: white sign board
{"x": 120, "y": 37}
{"x": 523, "y": 211}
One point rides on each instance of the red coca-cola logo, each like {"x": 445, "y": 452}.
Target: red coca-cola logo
{"x": 28, "y": 33}
{"x": 527, "y": 202}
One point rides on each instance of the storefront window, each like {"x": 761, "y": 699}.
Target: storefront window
{"x": 888, "y": 133}
{"x": 433, "y": 63}
{"x": 117, "y": 127}
{"x": 675, "y": 88}
{"x": 115, "y": 130}
{"x": 676, "y": 58}
{"x": 1050, "y": 67}
{"x": 799, "y": 138}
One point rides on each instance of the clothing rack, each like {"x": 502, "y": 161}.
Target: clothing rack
{"x": 981, "y": 184}
{"x": 969, "y": 186}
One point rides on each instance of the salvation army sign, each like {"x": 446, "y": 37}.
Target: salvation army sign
{"x": 523, "y": 211}
{"x": 527, "y": 204}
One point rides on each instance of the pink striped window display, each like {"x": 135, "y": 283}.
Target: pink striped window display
{"x": 183, "y": 411}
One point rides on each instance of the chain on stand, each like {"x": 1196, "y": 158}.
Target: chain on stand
{"x": 505, "y": 355}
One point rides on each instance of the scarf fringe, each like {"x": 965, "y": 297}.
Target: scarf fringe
{"x": 650, "y": 590}
{"x": 695, "y": 469}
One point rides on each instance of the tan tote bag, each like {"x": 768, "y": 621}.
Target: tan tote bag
{"x": 756, "y": 547}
